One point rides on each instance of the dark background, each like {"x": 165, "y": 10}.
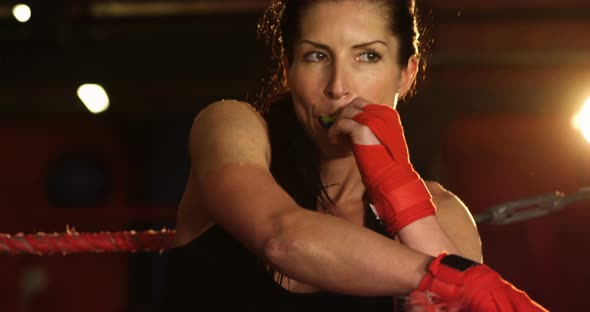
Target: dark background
{"x": 490, "y": 121}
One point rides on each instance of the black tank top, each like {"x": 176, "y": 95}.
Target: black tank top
{"x": 214, "y": 272}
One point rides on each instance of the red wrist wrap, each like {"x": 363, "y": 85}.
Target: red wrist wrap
{"x": 397, "y": 191}
{"x": 475, "y": 288}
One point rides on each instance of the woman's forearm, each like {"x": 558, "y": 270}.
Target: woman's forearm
{"x": 427, "y": 236}
{"x": 336, "y": 255}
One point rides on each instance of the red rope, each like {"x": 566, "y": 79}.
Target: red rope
{"x": 73, "y": 242}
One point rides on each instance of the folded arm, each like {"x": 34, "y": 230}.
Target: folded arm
{"x": 230, "y": 157}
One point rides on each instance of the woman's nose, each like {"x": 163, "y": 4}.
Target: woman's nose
{"x": 338, "y": 84}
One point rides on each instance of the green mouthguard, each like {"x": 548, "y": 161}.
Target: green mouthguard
{"x": 327, "y": 121}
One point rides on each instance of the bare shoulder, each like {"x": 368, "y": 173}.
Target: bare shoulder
{"x": 456, "y": 219}
{"x": 231, "y": 113}
{"x": 228, "y": 132}
{"x": 438, "y": 190}
{"x": 231, "y": 182}
{"x": 446, "y": 200}
{"x": 226, "y": 108}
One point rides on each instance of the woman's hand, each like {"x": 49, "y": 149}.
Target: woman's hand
{"x": 397, "y": 191}
{"x": 458, "y": 283}
{"x": 346, "y": 126}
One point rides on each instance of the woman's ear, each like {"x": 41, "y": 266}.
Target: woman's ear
{"x": 408, "y": 75}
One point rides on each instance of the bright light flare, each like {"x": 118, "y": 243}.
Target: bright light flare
{"x": 22, "y": 13}
{"x": 581, "y": 120}
{"x": 94, "y": 97}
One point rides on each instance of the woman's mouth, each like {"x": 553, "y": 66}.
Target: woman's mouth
{"x": 326, "y": 121}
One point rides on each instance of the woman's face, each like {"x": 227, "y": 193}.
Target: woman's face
{"x": 344, "y": 50}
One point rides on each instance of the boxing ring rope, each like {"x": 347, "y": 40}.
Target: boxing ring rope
{"x": 530, "y": 207}
{"x": 42, "y": 244}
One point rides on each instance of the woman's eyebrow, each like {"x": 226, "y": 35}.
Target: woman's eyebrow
{"x": 356, "y": 46}
{"x": 366, "y": 44}
{"x": 319, "y": 45}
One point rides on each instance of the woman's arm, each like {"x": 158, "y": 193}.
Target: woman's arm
{"x": 230, "y": 156}
{"x": 399, "y": 195}
{"x": 314, "y": 248}
{"x": 453, "y": 229}
{"x": 456, "y": 220}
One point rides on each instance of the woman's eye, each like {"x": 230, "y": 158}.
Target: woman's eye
{"x": 370, "y": 57}
{"x": 316, "y": 57}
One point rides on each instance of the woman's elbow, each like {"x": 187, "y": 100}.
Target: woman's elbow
{"x": 280, "y": 248}
{"x": 275, "y": 252}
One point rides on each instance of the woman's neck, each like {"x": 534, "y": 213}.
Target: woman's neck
{"x": 342, "y": 180}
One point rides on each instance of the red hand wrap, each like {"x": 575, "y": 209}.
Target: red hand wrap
{"x": 477, "y": 288}
{"x": 397, "y": 191}
{"x": 426, "y": 302}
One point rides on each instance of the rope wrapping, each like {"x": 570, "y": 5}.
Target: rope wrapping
{"x": 43, "y": 244}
